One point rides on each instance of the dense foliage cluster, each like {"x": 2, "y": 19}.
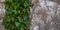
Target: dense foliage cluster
{"x": 17, "y": 14}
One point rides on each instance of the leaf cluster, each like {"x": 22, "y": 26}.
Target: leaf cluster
{"x": 17, "y": 14}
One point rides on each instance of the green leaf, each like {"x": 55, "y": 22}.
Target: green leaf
{"x": 21, "y": 28}
{"x": 17, "y": 24}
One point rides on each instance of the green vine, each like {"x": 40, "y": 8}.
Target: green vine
{"x": 17, "y": 14}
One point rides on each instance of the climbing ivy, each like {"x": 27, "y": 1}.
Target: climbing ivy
{"x": 17, "y": 14}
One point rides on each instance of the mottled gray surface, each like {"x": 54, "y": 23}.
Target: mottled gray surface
{"x": 45, "y": 15}
{"x": 2, "y": 13}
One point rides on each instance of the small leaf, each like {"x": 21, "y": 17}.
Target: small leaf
{"x": 17, "y": 24}
{"x": 21, "y": 28}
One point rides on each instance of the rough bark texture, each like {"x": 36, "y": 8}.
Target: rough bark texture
{"x": 57, "y": 1}
{"x": 45, "y": 15}
{"x": 2, "y": 13}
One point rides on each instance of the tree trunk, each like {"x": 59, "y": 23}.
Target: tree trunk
{"x": 45, "y": 15}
